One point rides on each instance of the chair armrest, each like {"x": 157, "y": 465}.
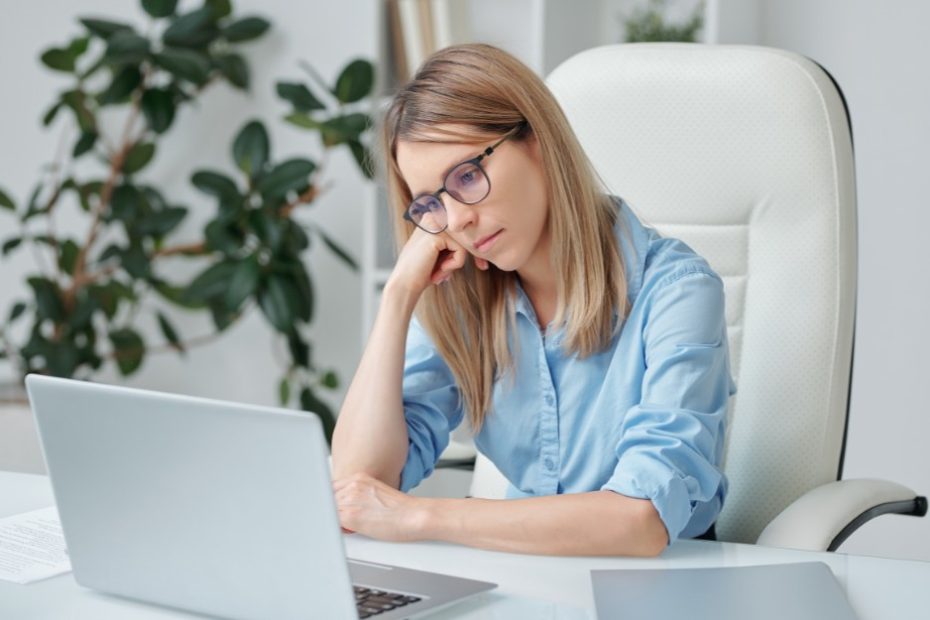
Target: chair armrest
{"x": 457, "y": 455}
{"x": 822, "y": 518}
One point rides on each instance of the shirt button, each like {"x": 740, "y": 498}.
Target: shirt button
{"x": 549, "y": 463}
{"x": 549, "y": 400}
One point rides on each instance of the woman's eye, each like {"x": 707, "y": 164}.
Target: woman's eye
{"x": 466, "y": 177}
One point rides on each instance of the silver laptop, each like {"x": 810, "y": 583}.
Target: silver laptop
{"x": 214, "y": 507}
{"x": 798, "y": 591}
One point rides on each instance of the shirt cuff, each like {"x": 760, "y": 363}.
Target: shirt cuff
{"x": 669, "y": 494}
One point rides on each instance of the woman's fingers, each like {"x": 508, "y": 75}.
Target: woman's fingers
{"x": 481, "y": 263}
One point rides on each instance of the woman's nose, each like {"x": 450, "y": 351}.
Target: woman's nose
{"x": 458, "y": 214}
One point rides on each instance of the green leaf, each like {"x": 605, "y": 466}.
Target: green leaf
{"x": 338, "y": 250}
{"x": 160, "y": 223}
{"x": 245, "y": 29}
{"x": 135, "y": 261}
{"x": 267, "y": 227}
{"x": 158, "y": 108}
{"x": 275, "y": 298}
{"x": 310, "y": 402}
{"x": 169, "y": 332}
{"x": 286, "y": 176}
{"x": 244, "y": 282}
{"x": 159, "y": 8}
{"x": 235, "y": 69}
{"x": 58, "y": 59}
{"x": 124, "y": 82}
{"x": 300, "y": 350}
{"x": 184, "y": 64}
{"x": 362, "y": 158}
{"x": 304, "y": 301}
{"x": 78, "y": 46}
{"x": 303, "y": 121}
{"x": 11, "y": 244}
{"x": 216, "y": 184}
{"x": 220, "y": 8}
{"x": 295, "y": 237}
{"x": 223, "y": 317}
{"x": 126, "y": 47}
{"x": 299, "y": 96}
{"x": 223, "y": 235}
{"x": 84, "y": 144}
{"x": 195, "y": 29}
{"x": 48, "y": 299}
{"x": 251, "y": 147}
{"x": 77, "y": 101}
{"x": 126, "y": 203}
{"x": 175, "y": 294}
{"x": 85, "y": 306}
{"x": 68, "y": 252}
{"x": 51, "y": 114}
{"x": 344, "y": 128}
{"x": 355, "y": 81}
{"x": 129, "y": 349}
{"x": 330, "y": 380}
{"x": 212, "y": 282}
{"x": 16, "y": 312}
{"x": 137, "y": 158}
{"x": 103, "y": 28}
{"x": 6, "y": 202}
{"x": 284, "y": 392}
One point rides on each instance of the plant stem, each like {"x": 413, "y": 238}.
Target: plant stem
{"x": 116, "y": 167}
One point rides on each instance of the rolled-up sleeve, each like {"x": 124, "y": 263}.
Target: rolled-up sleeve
{"x": 431, "y": 406}
{"x": 671, "y": 442}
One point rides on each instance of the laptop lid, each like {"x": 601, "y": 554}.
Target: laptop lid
{"x": 215, "y": 507}
{"x": 799, "y": 591}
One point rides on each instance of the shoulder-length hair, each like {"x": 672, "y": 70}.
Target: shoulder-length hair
{"x": 490, "y": 92}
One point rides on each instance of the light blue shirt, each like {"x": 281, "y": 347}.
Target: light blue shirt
{"x": 644, "y": 418}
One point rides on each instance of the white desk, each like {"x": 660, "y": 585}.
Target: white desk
{"x": 530, "y": 586}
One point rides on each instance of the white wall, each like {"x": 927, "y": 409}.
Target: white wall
{"x": 879, "y": 53}
{"x": 244, "y": 364}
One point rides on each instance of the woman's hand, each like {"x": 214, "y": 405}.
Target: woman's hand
{"x": 429, "y": 259}
{"x": 370, "y": 507}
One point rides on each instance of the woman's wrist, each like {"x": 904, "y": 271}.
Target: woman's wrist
{"x": 399, "y": 297}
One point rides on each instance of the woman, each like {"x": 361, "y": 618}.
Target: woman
{"x": 588, "y": 353}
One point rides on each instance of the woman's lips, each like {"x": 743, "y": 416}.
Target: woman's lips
{"x": 487, "y": 242}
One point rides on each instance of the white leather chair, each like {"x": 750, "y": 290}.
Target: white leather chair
{"x": 746, "y": 154}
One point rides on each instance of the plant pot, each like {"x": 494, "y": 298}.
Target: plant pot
{"x": 19, "y": 442}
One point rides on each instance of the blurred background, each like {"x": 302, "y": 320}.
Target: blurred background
{"x": 877, "y": 52}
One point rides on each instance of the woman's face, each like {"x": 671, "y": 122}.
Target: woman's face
{"x": 509, "y": 227}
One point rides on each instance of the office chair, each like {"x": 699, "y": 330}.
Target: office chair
{"x": 745, "y": 153}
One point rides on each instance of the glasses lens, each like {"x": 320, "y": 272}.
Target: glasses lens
{"x": 467, "y": 183}
{"x": 428, "y": 213}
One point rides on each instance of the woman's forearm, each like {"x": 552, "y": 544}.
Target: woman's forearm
{"x": 371, "y": 434}
{"x": 597, "y": 523}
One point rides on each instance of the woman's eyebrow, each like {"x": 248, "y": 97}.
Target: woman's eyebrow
{"x": 442, "y": 176}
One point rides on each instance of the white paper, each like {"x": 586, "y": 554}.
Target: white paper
{"x": 32, "y": 546}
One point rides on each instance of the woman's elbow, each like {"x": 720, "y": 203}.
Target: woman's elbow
{"x": 651, "y": 535}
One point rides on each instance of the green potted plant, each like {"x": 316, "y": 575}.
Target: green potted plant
{"x": 648, "y": 23}
{"x": 84, "y": 301}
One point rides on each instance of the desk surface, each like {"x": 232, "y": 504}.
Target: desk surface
{"x": 530, "y": 586}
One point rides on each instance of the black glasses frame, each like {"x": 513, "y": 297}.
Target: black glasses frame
{"x": 477, "y": 163}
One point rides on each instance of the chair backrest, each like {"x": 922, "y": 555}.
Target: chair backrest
{"x": 745, "y": 153}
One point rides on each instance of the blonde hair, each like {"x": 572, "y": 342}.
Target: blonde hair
{"x": 469, "y": 317}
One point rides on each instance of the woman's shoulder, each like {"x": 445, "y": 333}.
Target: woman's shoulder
{"x": 651, "y": 259}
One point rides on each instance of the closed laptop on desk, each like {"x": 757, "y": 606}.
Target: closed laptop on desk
{"x": 215, "y": 507}
{"x": 801, "y": 591}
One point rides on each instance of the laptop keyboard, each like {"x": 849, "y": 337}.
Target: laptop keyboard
{"x": 373, "y": 602}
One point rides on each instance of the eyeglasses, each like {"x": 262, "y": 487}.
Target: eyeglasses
{"x": 467, "y": 182}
